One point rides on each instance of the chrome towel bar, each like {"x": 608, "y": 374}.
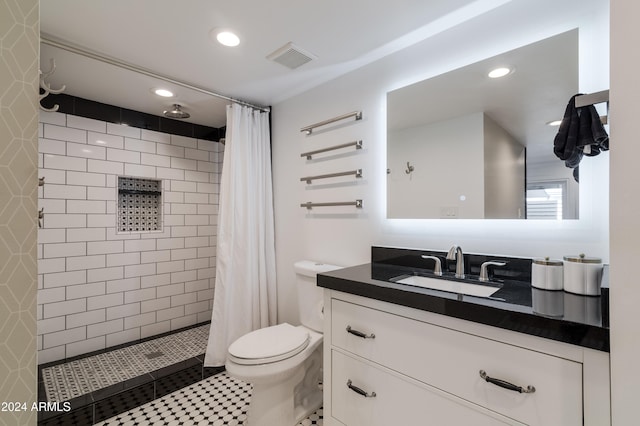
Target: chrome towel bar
{"x": 309, "y": 179}
{"x": 592, "y": 98}
{"x": 309, "y": 129}
{"x": 309, "y": 205}
{"x": 357, "y": 144}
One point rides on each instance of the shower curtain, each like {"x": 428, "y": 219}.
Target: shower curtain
{"x": 245, "y": 283}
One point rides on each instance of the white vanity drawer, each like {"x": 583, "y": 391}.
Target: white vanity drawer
{"x": 451, "y": 361}
{"x": 397, "y": 401}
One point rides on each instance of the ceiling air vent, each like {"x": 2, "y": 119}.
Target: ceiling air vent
{"x": 291, "y": 56}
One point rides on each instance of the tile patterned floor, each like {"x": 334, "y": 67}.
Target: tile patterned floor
{"x": 85, "y": 375}
{"x": 219, "y": 400}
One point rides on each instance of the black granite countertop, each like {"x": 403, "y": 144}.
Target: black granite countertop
{"x": 516, "y": 306}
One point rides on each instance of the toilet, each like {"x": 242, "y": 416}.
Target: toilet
{"x": 284, "y": 362}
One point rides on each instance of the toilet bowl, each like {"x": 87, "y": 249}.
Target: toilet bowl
{"x": 284, "y": 362}
{"x": 285, "y": 385}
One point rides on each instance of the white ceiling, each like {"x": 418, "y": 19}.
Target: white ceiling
{"x": 171, "y": 38}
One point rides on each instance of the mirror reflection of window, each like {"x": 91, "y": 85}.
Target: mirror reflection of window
{"x": 546, "y": 200}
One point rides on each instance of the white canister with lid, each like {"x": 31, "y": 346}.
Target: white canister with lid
{"x": 582, "y": 275}
{"x": 546, "y": 274}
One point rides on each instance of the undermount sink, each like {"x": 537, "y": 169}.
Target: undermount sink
{"x": 450, "y": 286}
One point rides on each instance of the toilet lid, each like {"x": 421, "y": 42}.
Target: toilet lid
{"x": 269, "y": 344}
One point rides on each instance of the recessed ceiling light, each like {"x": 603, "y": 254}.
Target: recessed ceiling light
{"x": 164, "y": 93}
{"x": 227, "y": 38}
{"x": 554, "y": 123}
{"x": 499, "y": 72}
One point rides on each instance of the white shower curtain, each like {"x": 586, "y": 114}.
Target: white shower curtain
{"x": 245, "y": 284}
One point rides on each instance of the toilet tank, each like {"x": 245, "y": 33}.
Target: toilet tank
{"x": 310, "y": 296}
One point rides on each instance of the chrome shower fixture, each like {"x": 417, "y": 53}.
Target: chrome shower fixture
{"x": 176, "y": 112}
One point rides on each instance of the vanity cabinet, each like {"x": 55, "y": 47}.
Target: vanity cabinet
{"x": 398, "y": 400}
{"x": 388, "y": 364}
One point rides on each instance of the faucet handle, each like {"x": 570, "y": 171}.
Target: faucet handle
{"x": 484, "y": 274}
{"x": 437, "y": 269}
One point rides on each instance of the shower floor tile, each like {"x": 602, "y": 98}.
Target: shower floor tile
{"x": 70, "y": 380}
{"x": 219, "y": 400}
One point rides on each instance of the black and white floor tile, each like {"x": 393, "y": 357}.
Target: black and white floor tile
{"x": 219, "y": 400}
{"x": 72, "y": 379}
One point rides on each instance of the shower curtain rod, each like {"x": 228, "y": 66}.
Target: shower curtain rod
{"x": 92, "y": 55}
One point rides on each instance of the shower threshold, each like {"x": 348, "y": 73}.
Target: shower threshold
{"x": 96, "y": 386}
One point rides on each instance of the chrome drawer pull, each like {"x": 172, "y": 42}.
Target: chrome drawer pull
{"x": 360, "y": 391}
{"x": 360, "y": 333}
{"x": 507, "y": 385}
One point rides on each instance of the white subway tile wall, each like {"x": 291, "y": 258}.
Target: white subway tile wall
{"x": 98, "y": 287}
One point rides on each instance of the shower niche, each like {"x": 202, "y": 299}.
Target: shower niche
{"x": 139, "y": 204}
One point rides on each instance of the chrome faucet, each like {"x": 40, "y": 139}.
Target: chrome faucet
{"x": 484, "y": 273}
{"x": 437, "y": 268}
{"x": 455, "y": 252}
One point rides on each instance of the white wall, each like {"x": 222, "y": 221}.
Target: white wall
{"x": 344, "y": 235}
{"x": 99, "y": 288}
{"x": 625, "y": 210}
{"x": 503, "y": 173}
{"x": 466, "y": 167}
{"x": 435, "y": 186}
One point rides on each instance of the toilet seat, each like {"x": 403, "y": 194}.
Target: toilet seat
{"x": 270, "y": 344}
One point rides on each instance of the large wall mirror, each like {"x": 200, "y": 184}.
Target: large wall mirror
{"x": 462, "y": 145}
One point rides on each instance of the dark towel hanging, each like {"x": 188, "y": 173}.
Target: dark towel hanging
{"x": 581, "y": 133}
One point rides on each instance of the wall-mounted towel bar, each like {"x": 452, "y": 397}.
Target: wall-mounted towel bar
{"x": 592, "y": 98}
{"x": 309, "y": 179}
{"x": 309, "y": 205}
{"x": 357, "y": 144}
{"x": 309, "y": 129}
